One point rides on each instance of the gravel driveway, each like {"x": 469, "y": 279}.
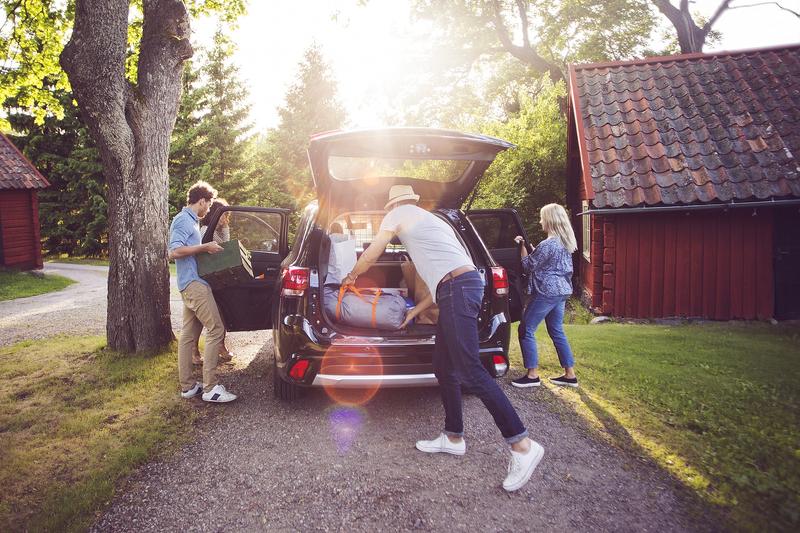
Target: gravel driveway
{"x": 80, "y": 309}
{"x": 262, "y": 464}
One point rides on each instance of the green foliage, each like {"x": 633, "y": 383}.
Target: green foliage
{"x": 34, "y": 34}
{"x": 222, "y": 129}
{"x": 185, "y": 158}
{"x": 281, "y": 173}
{"x": 532, "y": 174}
{"x": 715, "y": 405}
{"x": 470, "y": 73}
{"x": 31, "y": 39}
{"x": 14, "y": 284}
{"x": 73, "y": 210}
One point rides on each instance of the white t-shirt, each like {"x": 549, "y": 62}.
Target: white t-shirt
{"x": 429, "y": 240}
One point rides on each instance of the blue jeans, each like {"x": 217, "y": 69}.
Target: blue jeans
{"x": 456, "y": 361}
{"x": 551, "y": 310}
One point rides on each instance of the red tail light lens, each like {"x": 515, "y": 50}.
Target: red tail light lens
{"x": 500, "y": 365}
{"x": 499, "y": 280}
{"x": 299, "y": 369}
{"x": 295, "y": 281}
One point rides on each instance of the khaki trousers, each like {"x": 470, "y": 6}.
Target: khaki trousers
{"x": 199, "y": 310}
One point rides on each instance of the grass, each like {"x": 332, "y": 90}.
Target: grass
{"x": 94, "y": 261}
{"x": 75, "y": 419}
{"x": 716, "y": 405}
{"x": 78, "y": 260}
{"x": 16, "y": 284}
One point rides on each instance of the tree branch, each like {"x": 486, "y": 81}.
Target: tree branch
{"x": 94, "y": 60}
{"x": 718, "y": 13}
{"x": 776, "y": 4}
{"x": 526, "y": 54}
{"x": 165, "y": 31}
{"x": 522, "y": 7}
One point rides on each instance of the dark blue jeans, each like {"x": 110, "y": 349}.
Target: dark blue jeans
{"x": 551, "y": 310}
{"x": 456, "y": 361}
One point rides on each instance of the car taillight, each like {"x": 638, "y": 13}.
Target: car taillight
{"x": 500, "y": 365}
{"x": 299, "y": 369}
{"x": 499, "y": 280}
{"x": 295, "y": 281}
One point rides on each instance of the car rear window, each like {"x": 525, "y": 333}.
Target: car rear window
{"x": 363, "y": 226}
{"x": 347, "y": 168}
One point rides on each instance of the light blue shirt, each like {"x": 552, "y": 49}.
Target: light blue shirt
{"x": 185, "y": 231}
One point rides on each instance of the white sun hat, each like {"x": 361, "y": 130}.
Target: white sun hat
{"x": 398, "y": 193}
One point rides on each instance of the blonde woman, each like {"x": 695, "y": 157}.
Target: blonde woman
{"x": 549, "y": 274}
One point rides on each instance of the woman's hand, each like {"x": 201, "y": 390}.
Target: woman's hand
{"x": 519, "y": 240}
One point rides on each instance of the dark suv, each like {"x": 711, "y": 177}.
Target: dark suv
{"x": 353, "y": 172}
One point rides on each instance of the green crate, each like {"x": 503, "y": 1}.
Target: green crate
{"x": 232, "y": 266}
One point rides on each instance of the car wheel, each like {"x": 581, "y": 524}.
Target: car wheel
{"x": 281, "y": 389}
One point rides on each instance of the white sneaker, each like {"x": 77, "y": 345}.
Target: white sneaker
{"x": 194, "y": 391}
{"x": 522, "y": 466}
{"x": 218, "y": 395}
{"x": 442, "y": 444}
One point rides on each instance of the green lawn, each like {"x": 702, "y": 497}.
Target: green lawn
{"x": 64, "y": 258}
{"x": 75, "y": 419}
{"x": 15, "y": 284}
{"x": 95, "y": 261}
{"x": 716, "y": 405}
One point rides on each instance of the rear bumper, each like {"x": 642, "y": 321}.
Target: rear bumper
{"x": 368, "y": 362}
{"x": 360, "y": 381}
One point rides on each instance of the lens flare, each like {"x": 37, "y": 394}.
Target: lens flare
{"x": 345, "y": 425}
{"x": 337, "y": 363}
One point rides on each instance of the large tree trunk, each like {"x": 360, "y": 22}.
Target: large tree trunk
{"x": 131, "y": 126}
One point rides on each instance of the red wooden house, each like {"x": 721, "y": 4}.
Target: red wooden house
{"x": 687, "y": 172}
{"x": 20, "y": 245}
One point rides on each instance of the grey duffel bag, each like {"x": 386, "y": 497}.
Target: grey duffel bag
{"x": 364, "y": 308}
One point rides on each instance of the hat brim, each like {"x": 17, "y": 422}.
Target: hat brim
{"x": 400, "y": 198}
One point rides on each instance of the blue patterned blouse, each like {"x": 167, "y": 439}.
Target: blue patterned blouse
{"x": 548, "y": 269}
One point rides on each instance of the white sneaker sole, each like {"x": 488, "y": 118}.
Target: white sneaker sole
{"x": 539, "y": 451}
{"x": 189, "y": 394}
{"x": 221, "y": 399}
{"x": 562, "y": 384}
{"x": 526, "y": 385}
{"x": 437, "y": 449}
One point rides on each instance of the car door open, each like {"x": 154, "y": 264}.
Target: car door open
{"x": 263, "y": 232}
{"x": 497, "y": 228}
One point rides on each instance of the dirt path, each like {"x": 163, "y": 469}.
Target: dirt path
{"x": 80, "y": 309}
{"x": 262, "y": 464}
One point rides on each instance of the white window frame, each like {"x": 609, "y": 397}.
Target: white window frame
{"x": 587, "y": 231}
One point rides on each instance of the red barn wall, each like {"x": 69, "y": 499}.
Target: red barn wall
{"x": 710, "y": 264}
{"x": 19, "y": 229}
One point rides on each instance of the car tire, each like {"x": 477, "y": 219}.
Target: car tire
{"x": 281, "y": 389}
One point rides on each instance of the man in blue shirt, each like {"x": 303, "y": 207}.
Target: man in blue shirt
{"x": 199, "y": 307}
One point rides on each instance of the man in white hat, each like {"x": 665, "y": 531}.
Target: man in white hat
{"x": 455, "y": 285}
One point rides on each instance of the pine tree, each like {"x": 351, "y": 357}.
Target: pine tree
{"x": 73, "y": 210}
{"x": 185, "y": 157}
{"x": 222, "y": 131}
{"x": 311, "y": 107}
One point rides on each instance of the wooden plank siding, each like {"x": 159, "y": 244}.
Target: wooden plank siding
{"x": 715, "y": 265}
{"x": 19, "y": 224}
